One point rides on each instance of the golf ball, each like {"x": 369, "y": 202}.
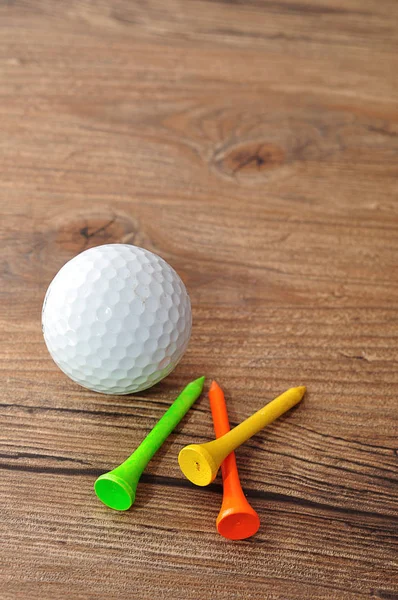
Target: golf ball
{"x": 116, "y": 319}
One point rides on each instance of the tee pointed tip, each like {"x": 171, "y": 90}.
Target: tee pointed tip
{"x": 199, "y": 382}
{"x": 214, "y": 386}
{"x": 300, "y": 391}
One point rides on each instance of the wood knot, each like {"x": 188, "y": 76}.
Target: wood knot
{"x": 75, "y": 233}
{"x": 250, "y": 159}
{"x": 42, "y": 253}
{"x": 71, "y": 233}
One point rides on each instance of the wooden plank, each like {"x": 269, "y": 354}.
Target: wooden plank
{"x": 253, "y": 144}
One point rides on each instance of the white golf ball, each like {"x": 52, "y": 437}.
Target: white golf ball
{"x": 116, "y": 319}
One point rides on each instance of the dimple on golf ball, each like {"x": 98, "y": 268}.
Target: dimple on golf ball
{"x": 116, "y": 319}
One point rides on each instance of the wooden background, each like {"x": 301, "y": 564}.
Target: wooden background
{"x": 253, "y": 144}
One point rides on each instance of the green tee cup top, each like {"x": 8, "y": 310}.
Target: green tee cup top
{"x": 117, "y": 488}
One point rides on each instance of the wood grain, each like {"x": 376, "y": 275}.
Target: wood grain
{"x": 253, "y": 144}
